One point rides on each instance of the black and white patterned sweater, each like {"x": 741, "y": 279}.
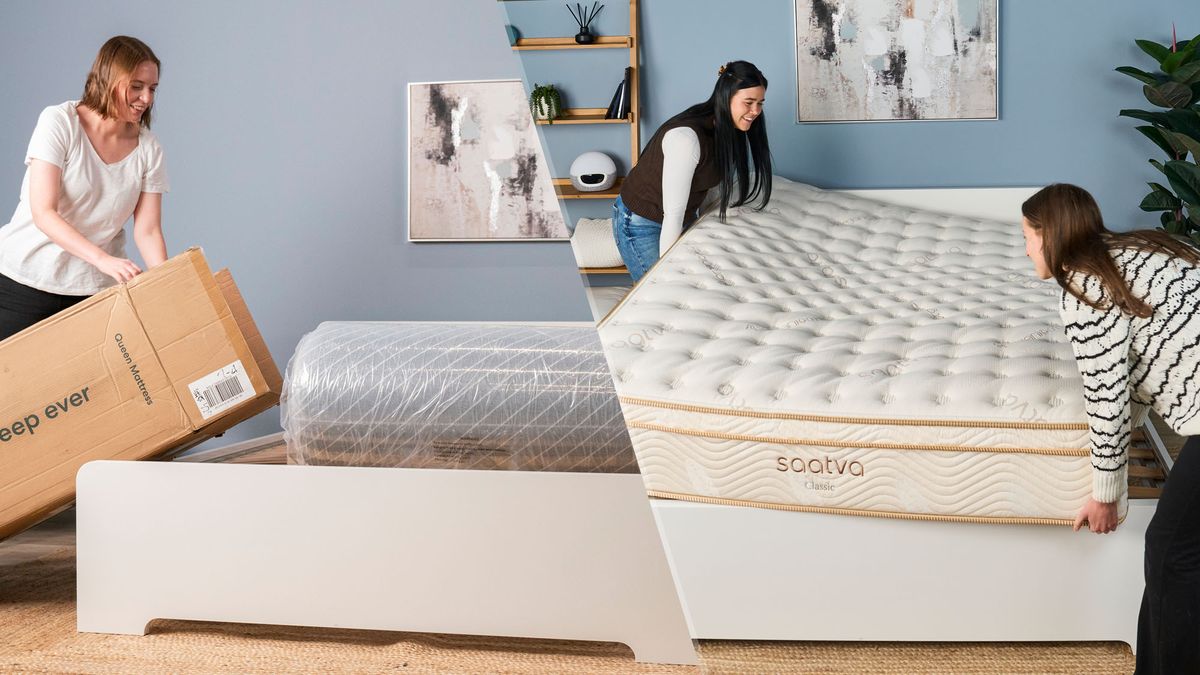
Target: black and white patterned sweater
{"x": 1127, "y": 360}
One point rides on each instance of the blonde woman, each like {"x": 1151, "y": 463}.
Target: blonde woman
{"x": 91, "y": 164}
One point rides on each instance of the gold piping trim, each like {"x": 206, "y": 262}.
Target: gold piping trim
{"x": 686, "y": 407}
{"x": 1061, "y": 452}
{"x": 996, "y": 520}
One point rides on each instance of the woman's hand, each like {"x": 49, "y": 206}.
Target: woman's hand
{"x": 1100, "y": 517}
{"x": 120, "y": 269}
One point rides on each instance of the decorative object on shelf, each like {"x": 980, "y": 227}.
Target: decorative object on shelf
{"x": 593, "y": 172}
{"x": 545, "y": 102}
{"x": 881, "y": 60}
{"x": 584, "y": 16}
{"x": 619, "y": 107}
{"x": 1175, "y": 86}
{"x": 475, "y": 166}
{"x": 513, "y": 34}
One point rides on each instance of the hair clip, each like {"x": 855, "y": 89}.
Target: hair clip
{"x": 721, "y": 70}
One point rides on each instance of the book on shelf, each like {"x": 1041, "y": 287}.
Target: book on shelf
{"x": 619, "y": 107}
{"x": 611, "y": 113}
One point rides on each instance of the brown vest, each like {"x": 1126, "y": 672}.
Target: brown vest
{"x": 642, "y": 189}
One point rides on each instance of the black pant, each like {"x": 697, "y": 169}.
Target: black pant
{"x": 1169, "y": 623}
{"x": 22, "y": 306}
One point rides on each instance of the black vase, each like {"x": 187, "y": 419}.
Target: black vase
{"x": 584, "y": 37}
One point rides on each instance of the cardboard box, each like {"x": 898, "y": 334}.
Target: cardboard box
{"x": 161, "y": 363}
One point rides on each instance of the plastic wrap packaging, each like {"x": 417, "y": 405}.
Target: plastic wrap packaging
{"x": 459, "y": 396}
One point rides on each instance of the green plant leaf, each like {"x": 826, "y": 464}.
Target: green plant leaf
{"x": 1188, "y": 74}
{"x": 1160, "y": 201}
{"x": 1176, "y": 59}
{"x": 1185, "y": 180}
{"x": 1158, "y": 165}
{"x": 1138, "y": 74}
{"x": 1169, "y": 95}
{"x": 1159, "y": 138}
{"x": 1184, "y": 141}
{"x": 1155, "y": 50}
{"x": 1157, "y": 187}
{"x": 1183, "y": 121}
{"x": 1157, "y": 118}
{"x": 1166, "y": 219}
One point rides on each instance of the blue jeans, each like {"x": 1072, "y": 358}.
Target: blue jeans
{"x": 637, "y": 239}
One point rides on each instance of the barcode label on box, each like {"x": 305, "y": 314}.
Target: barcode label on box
{"x": 222, "y": 389}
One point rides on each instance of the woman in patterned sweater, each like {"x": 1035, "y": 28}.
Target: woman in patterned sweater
{"x": 1131, "y": 307}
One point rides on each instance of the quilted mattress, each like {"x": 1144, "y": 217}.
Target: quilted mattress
{"x": 836, "y": 354}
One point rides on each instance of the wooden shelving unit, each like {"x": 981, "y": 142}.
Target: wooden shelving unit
{"x": 548, "y": 43}
{"x": 574, "y": 116}
{"x": 565, "y": 190}
{"x": 584, "y": 116}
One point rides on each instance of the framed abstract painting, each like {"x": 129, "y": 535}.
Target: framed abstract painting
{"x": 889, "y": 60}
{"x": 475, "y": 166}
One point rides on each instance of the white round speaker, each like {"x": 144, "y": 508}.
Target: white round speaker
{"x": 593, "y": 171}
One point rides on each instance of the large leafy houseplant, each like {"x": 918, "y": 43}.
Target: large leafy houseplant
{"x": 1175, "y": 87}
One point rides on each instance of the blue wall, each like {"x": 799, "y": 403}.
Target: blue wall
{"x": 284, "y": 124}
{"x": 1059, "y": 96}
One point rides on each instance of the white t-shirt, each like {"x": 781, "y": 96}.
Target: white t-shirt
{"x": 95, "y": 198}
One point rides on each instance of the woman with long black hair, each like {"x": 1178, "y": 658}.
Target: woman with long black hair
{"x": 1130, "y": 304}
{"x": 709, "y": 145}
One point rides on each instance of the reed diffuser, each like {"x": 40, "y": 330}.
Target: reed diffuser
{"x": 584, "y": 16}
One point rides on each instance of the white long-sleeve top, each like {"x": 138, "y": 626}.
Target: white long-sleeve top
{"x": 681, "y": 155}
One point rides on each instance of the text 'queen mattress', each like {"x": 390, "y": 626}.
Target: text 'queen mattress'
{"x": 833, "y": 353}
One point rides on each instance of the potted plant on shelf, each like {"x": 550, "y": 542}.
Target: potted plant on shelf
{"x": 1175, "y": 86}
{"x": 545, "y": 102}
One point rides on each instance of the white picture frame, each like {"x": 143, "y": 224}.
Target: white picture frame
{"x": 476, "y": 169}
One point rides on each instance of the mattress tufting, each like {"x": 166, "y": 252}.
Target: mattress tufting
{"x": 834, "y": 353}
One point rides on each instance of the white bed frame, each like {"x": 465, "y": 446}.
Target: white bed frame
{"x": 574, "y": 556}
{"x": 512, "y": 553}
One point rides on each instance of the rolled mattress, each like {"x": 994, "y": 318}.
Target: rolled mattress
{"x": 836, "y": 354}
{"x": 460, "y": 396}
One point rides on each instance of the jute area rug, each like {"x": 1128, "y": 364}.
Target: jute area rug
{"x": 37, "y": 635}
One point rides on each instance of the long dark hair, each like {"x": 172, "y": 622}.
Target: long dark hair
{"x": 1074, "y": 239}
{"x": 730, "y": 142}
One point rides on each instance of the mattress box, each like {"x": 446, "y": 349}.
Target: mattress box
{"x": 836, "y": 354}
{"x": 161, "y": 363}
